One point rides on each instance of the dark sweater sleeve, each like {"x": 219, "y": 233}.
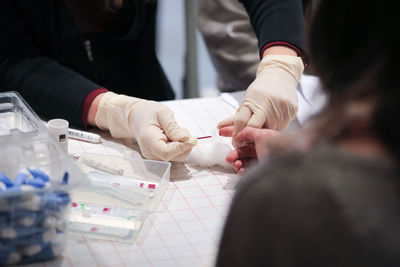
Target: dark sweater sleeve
{"x": 277, "y": 21}
{"x": 279, "y": 220}
{"x": 50, "y": 88}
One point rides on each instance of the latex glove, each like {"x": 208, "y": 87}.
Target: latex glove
{"x": 271, "y": 100}
{"x": 150, "y": 123}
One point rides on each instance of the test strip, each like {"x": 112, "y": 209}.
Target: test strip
{"x": 204, "y": 137}
{"x": 102, "y": 167}
{"x": 119, "y": 181}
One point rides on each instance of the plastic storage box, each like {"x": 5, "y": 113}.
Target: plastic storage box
{"x": 122, "y": 191}
{"x": 36, "y": 176}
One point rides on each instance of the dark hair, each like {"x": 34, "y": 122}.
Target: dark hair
{"x": 355, "y": 50}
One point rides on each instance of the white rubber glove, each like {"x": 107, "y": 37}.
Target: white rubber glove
{"x": 150, "y": 123}
{"x": 271, "y": 100}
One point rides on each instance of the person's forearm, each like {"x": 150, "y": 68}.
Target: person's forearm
{"x": 51, "y": 89}
{"x": 277, "y": 21}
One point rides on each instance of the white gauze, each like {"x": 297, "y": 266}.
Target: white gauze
{"x": 210, "y": 152}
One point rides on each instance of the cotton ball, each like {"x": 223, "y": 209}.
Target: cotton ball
{"x": 62, "y": 225}
{"x": 57, "y": 249}
{"x": 4, "y": 206}
{"x": 26, "y": 221}
{"x": 49, "y": 221}
{"x": 30, "y": 250}
{"x": 33, "y": 204}
{"x": 27, "y": 188}
{"x": 14, "y": 258}
{"x": 49, "y": 234}
{"x": 210, "y": 152}
{"x": 53, "y": 222}
{"x": 8, "y": 232}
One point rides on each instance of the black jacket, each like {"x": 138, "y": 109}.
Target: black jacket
{"x": 277, "y": 20}
{"x": 43, "y": 56}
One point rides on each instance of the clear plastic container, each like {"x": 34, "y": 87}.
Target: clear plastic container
{"x": 17, "y": 118}
{"x": 121, "y": 193}
{"x": 36, "y": 176}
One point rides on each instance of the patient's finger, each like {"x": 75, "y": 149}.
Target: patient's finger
{"x": 245, "y": 165}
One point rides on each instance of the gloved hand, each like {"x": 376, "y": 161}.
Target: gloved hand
{"x": 150, "y": 123}
{"x": 271, "y": 100}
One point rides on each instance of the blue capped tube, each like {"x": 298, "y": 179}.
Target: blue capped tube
{"x": 36, "y": 182}
{"x": 4, "y": 179}
{"x": 21, "y": 178}
{"x": 3, "y": 187}
{"x": 65, "y": 178}
{"x": 37, "y": 173}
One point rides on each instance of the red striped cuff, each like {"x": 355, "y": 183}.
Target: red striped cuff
{"x": 88, "y": 102}
{"x": 280, "y": 43}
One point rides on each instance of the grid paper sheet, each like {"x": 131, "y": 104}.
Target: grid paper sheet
{"x": 186, "y": 228}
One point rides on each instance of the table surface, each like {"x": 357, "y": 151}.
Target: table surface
{"x": 185, "y": 229}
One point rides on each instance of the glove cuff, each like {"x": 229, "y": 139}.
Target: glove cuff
{"x": 291, "y": 64}
{"x": 101, "y": 115}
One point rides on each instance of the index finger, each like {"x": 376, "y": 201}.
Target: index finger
{"x": 171, "y": 128}
{"x": 154, "y": 144}
{"x": 226, "y": 131}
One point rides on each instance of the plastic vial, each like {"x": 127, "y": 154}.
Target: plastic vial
{"x": 58, "y": 129}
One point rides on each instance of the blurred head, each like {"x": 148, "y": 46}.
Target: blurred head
{"x": 355, "y": 50}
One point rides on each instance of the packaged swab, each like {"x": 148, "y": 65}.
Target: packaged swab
{"x": 87, "y": 160}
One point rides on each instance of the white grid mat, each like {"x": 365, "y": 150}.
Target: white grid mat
{"x": 186, "y": 228}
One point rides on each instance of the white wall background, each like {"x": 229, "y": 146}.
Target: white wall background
{"x": 171, "y": 49}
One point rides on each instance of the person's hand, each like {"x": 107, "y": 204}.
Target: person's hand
{"x": 150, "y": 123}
{"x": 253, "y": 146}
{"x": 271, "y": 100}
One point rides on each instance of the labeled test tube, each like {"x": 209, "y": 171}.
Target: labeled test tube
{"x": 58, "y": 129}
{"x": 84, "y": 136}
